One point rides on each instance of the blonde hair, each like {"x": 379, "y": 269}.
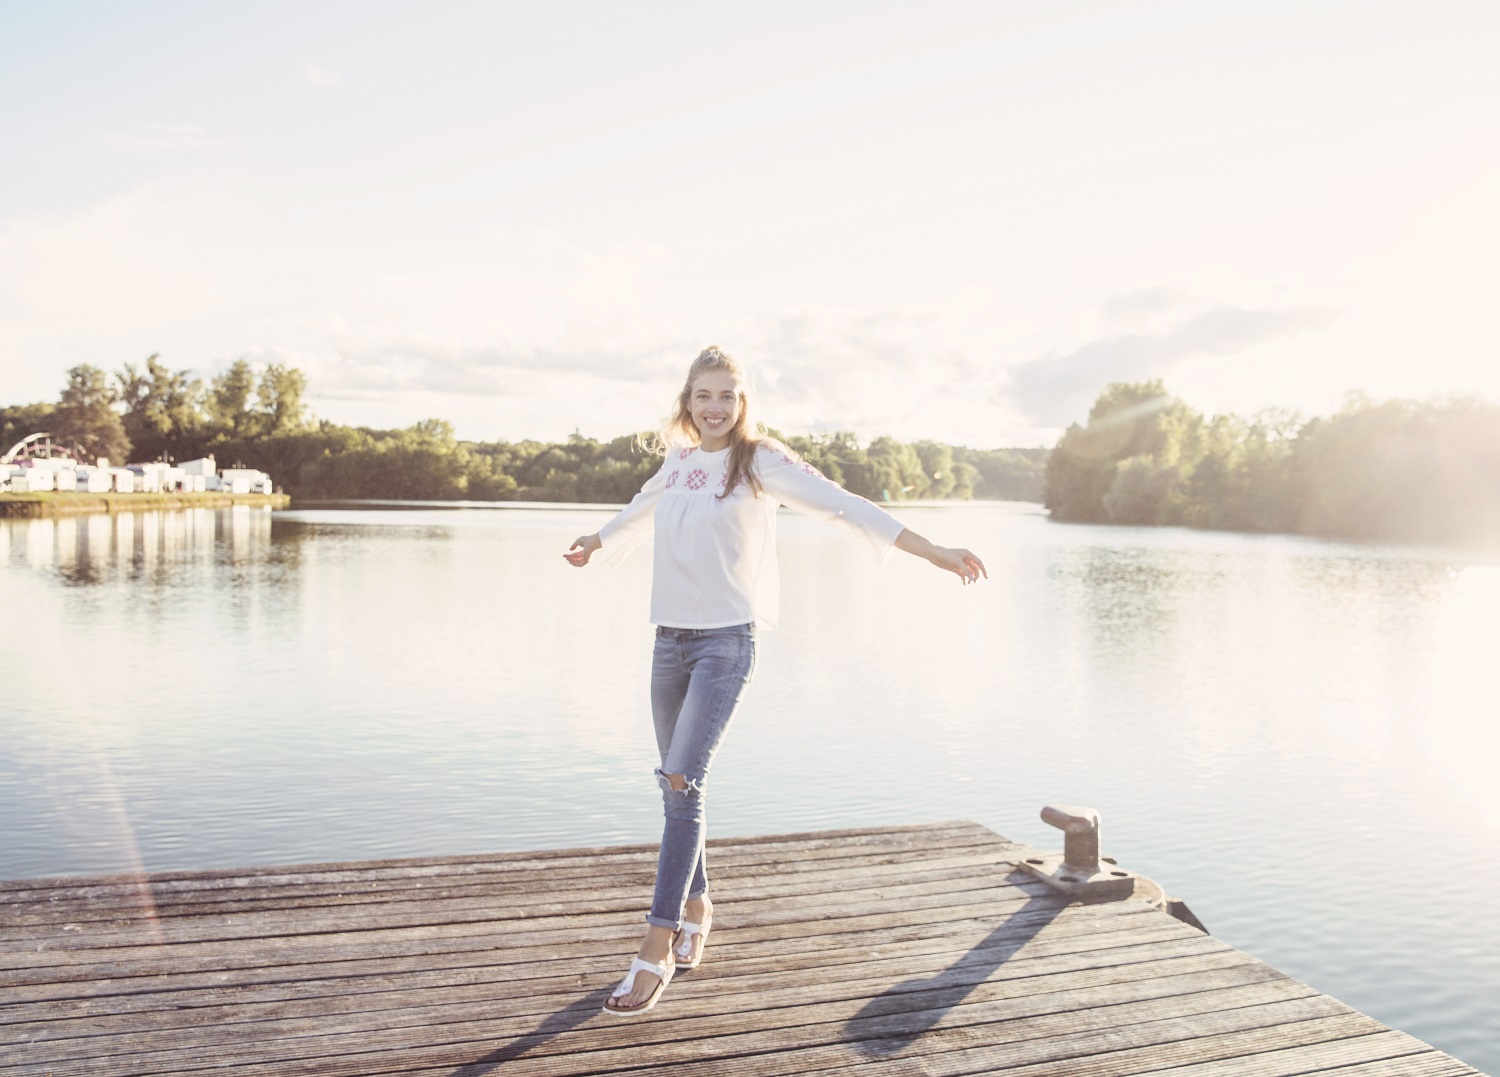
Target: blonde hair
{"x": 744, "y": 437}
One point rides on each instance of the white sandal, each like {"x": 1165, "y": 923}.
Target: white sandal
{"x": 683, "y": 951}
{"x": 663, "y": 970}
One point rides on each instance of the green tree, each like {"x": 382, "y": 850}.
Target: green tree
{"x": 939, "y": 471}
{"x": 1005, "y": 474}
{"x": 1248, "y": 476}
{"x": 430, "y": 434}
{"x": 279, "y": 395}
{"x": 86, "y": 419}
{"x": 488, "y": 481}
{"x": 163, "y": 410}
{"x": 1137, "y": 436}
{"x": 229, "y": 401}
{"x": 1399, "y": 470}
{"x": 895, "y": 470}
{"x": 1402, "y": 470}
{"x": 1139, "y": 492}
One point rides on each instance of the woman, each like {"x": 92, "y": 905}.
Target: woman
{"x": 713, "y": 507}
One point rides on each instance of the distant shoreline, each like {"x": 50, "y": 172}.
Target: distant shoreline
{"x": 599, "y": 506}
{"x": 72, "y": 504}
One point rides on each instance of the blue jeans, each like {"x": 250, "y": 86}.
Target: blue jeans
{"x": 697, "y": 678}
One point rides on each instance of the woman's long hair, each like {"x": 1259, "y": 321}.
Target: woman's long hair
{"x": 744, "y": 437}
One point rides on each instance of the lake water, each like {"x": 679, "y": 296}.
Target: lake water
{"x": 1297, "y": 737}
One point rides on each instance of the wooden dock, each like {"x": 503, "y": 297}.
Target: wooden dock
{"x": 899, "y": 950}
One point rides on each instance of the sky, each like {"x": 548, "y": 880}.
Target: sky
{"x": 943, "y": 220}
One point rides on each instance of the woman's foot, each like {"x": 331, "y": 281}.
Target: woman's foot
{"x": 687, "y": 946}
{"x": 656, "y": 948}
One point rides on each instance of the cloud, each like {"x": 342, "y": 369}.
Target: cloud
{"x": 365, "y": 368}
{"x": 873, "y": 370}
{"x": 168, "y": 137}
{"x": 1141, "y": 308}
{"x": 1058, "y": 389}
{"x": 320, "y": 76}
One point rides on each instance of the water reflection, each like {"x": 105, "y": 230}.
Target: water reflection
{"x": 161, "y": 547}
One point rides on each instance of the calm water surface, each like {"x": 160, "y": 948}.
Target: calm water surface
{"x": 1297, "y": 737}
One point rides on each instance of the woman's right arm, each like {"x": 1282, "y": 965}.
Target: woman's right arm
{"x": 625, "y": 530}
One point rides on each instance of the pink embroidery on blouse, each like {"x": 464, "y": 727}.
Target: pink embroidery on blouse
{"x": 697, "y": 478}
{"x": 672, "y": 480}
{"x": 683, "y": 454}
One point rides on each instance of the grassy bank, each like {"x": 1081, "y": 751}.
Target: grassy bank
{"x": 68, "y": 504}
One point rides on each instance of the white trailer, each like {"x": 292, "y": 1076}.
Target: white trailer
{"x": 247, "y": 480}
{"x": 202, "y": 468}
{"x": 94, "y": 480}
{"x": 147, "y": 477}
{"x": 40, "y": 480}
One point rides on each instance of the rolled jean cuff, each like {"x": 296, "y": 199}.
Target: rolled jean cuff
{"x": 657, "y": 921}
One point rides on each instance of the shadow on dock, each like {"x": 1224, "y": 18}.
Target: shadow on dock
{"x": 564, "y": 1020}
{"x": 926, "y": 1000}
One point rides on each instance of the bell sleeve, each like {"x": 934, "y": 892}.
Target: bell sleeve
{"x": 801, "y": 486}
{"x": 633, "y": 524}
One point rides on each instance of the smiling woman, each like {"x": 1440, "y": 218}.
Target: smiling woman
{"x": 712, "y": 506}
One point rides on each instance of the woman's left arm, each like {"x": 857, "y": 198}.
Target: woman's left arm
{"x": 962, "y": 563}
{"x": 803, "y": 487}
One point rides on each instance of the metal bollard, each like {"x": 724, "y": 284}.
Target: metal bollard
{"x": 1078, "y": 870}
{"x": 1084, "y": 875}
{"x": 1080, "y": 827}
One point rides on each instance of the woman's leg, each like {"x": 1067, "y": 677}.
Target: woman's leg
{"x": 697, "y": 678}
{"x": 670, "y": 677}
{"x": 718, "y": 664}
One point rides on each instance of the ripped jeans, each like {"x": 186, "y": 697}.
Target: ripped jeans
{"x": 697, "y": 678}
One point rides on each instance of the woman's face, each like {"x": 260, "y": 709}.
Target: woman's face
{"x": 714, "y": 404}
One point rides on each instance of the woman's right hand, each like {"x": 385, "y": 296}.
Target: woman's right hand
{"x": 582, "y": 549}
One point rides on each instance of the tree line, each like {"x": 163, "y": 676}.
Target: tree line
{"x": 257, "y": 419}
{"x": 1398, "y": 470}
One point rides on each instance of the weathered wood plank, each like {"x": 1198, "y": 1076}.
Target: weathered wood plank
{"x": 1127, "y": 954}
{"x": 106, "y": 905}
{"x": 523, "y": 927}
{"x": 442, "y": 904}
{"x": 619, "y": 938}
{"x": 888, "y": 936}
{"x": 745, "y": 923}
{"x": 789, "y": 1020}
{"x": 772, "y": 847}
{"x": 504, "y": 996}
{"x": 1210, "y": 1043}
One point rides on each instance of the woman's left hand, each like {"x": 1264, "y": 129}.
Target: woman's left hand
{"x": 960, "y": 562}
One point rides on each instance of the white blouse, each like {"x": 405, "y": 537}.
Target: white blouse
{"x": 715, "y": 559}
